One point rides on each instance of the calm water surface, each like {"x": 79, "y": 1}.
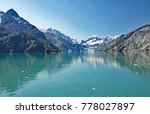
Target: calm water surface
{"x": 75, "y": 75}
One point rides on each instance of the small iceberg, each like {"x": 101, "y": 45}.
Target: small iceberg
{"x": 93, "y": 88}
{"x": 135, "y": 64}
{"x": 26, "y": 77}
{"x": 137, "y": 73}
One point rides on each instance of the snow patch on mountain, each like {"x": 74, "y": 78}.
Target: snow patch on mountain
{"x": 116, "y": 36}
{"x": 60, "y": 40}
{"x": 95, "y": 40}
{"x": 61, "y": 35}
{"x": 43, "y": 30}
{"x": 58, "y": 33}
{"x": 20, "y": 20}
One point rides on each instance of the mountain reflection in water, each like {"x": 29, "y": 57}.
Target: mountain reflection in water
{"x": 17, "y": 70}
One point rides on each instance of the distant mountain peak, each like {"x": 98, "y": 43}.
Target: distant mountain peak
{"x": 62, "y": 41}
{"x": 95, "y": 40}
{"x": 58, "y": 33}
{"x": 51, "y": 30}
{"x": 12, "y": 12}
{"x": 1, "y": 12}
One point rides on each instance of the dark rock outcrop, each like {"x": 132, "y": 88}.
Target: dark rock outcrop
{"x": 21, "y": 42}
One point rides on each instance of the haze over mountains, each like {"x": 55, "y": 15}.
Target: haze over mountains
{"x": 18, "y": 35}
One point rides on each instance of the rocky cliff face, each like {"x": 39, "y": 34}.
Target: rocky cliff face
{"x": 18, "y": 35}
{"x": 137, "y": 40}
{"x": 22, "y": 42}
{"x": 63, "y": 42}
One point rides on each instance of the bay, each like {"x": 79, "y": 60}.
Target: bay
{"x": 75, "y": 75}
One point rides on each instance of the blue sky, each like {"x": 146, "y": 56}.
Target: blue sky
{"x": 81, "y": 19}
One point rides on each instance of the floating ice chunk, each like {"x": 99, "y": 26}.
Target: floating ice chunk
{"x": 22, "y": 71}
{"x": 135, "y": 64}
{"x": 93, "y": 88}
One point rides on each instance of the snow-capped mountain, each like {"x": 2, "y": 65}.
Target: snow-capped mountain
{"x": 94, "y": 40}
{"x": 60, "y": 35}
{"x": 135, "y": 41}
{"x": 18, "y": 35}
{"x": 12, "y": 22}
{"x": 29, "y": 38}
{"x": 62, "y": 41}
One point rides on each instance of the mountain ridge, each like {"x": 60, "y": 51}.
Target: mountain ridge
{"x": 95, "y": 40}
{"x": 12, "y": 26}
{"x": 62, "y": 41}
{"x": 31, "y": 39}
{"x": 136, "y": 40}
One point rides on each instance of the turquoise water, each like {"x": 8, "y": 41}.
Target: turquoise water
{"x": 77, "y": 75}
